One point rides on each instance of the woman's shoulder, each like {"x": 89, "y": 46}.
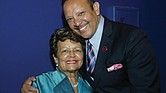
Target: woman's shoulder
{"x": 46, "y": 82}
{"x": 46, "y": 74}
{"x": 52, "y": 76}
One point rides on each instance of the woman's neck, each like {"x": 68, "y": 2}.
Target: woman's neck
{"x": 73, "y": 77}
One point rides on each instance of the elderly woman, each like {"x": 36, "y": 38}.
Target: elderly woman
{"x": 67, "y": 50}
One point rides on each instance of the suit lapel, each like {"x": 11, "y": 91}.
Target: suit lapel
{"x": 104, "y": 50}
{"x": 106, "y": 43}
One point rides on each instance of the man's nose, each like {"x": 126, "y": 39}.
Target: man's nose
{"x": 77, "y": 21}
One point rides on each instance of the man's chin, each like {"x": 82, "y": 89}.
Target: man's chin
{"x": 86, "y": 36}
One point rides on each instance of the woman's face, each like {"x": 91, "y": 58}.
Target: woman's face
{"x": 69, "y": 56}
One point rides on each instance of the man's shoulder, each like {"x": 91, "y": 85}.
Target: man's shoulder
{"x": 119, "y": 25}
{"x": 122, "y": 30}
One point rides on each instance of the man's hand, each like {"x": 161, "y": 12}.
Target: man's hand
{"x": 27, "y": 88}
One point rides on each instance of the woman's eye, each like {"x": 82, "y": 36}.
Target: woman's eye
{"x": 78, "y": 50}
{"x": 63, "y": 51}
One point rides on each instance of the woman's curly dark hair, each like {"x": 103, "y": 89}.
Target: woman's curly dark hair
{"x": 62, "y": 35}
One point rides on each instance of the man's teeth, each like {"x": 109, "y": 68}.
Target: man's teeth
{"x": 82, "y": 28}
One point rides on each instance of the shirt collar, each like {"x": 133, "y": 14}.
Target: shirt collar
{"x": 95, "y": 40}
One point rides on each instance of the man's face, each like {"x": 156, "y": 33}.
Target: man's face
{"x": 81, "y": 18}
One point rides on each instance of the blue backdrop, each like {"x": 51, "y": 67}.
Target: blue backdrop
{"x": 26, "y": 26}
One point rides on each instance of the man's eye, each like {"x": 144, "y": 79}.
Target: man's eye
{"x": 81, "y": 13}
{"x": 69, "y": 19}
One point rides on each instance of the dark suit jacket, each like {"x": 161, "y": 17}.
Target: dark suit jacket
{"x": 127, "y": 45}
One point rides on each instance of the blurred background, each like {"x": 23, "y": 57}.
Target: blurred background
{"x": 26, "y": 26}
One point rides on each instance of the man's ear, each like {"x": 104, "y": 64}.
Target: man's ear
{"x": 96, "y": 8}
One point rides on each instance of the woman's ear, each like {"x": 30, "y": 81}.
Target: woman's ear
{"x": 96, "y": 7}
{"x": 55, "y": 59}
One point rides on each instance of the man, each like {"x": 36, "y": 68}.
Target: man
{"x": 124, "y": 59}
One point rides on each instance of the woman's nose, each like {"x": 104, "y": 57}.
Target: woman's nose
{"x": 72, "y": 54}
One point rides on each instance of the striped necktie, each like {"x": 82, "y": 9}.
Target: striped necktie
{"x": 91, "y": 59}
